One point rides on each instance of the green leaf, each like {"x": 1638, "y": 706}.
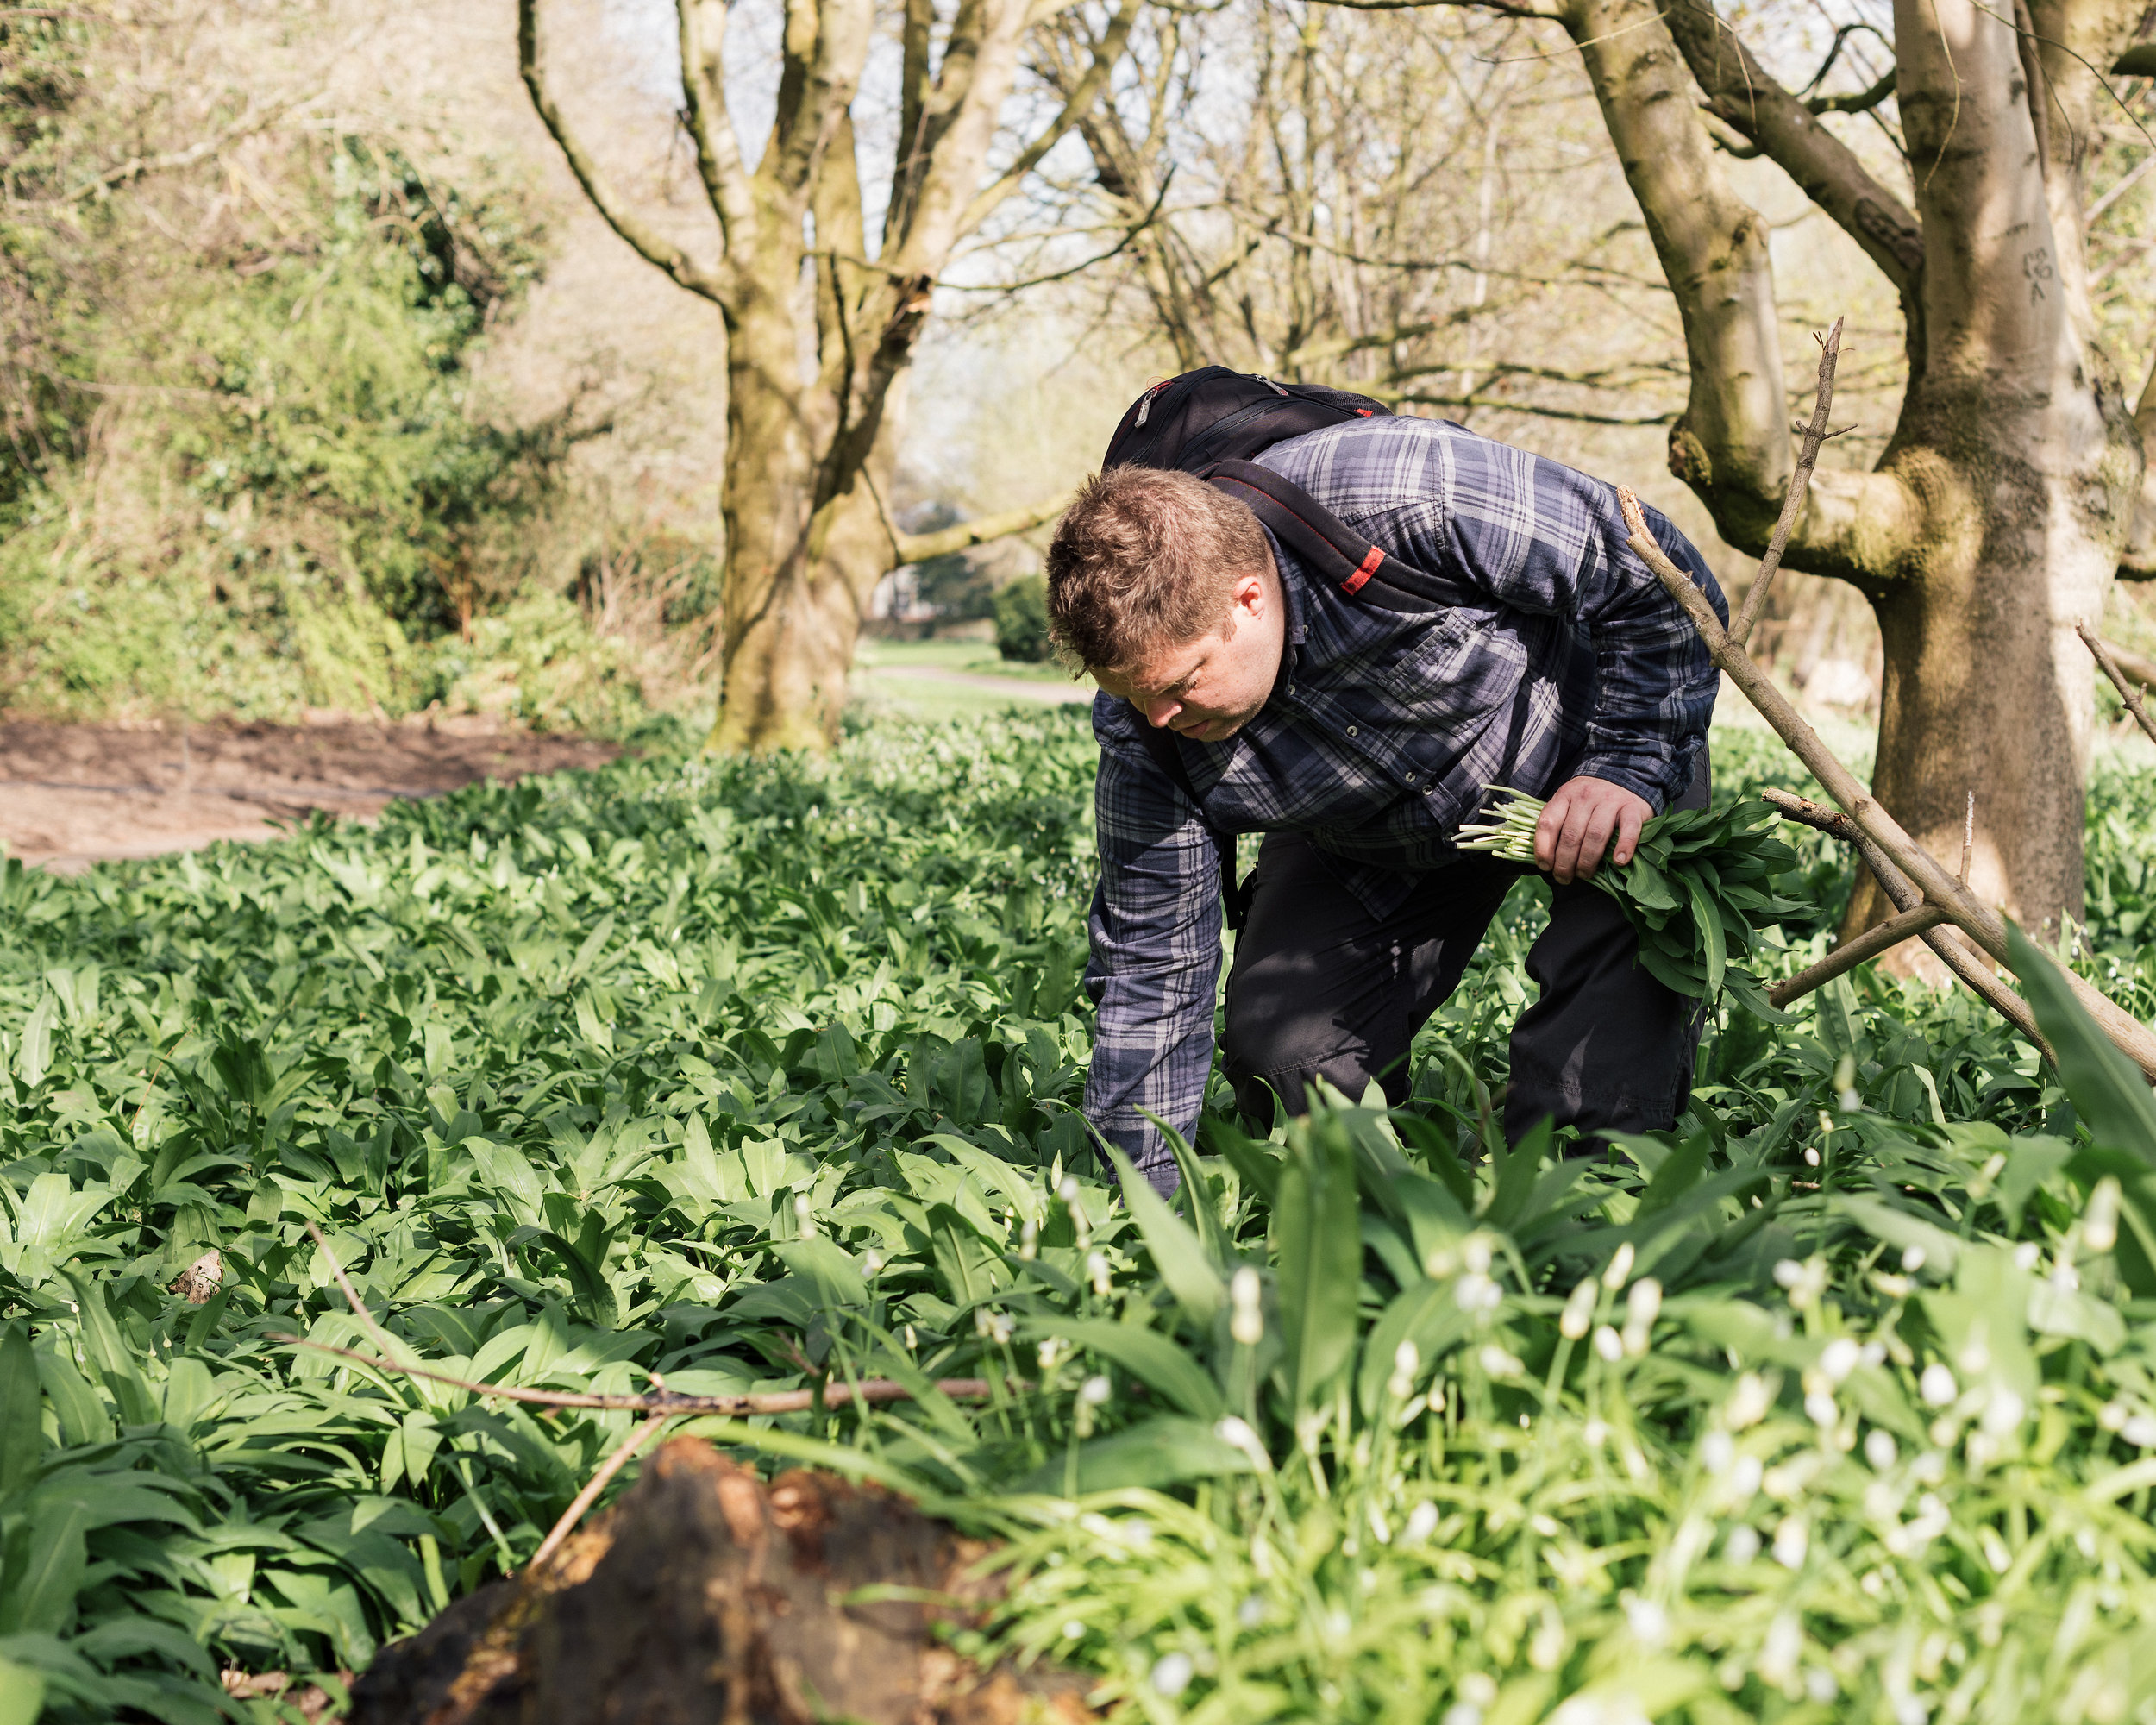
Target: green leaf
{"x": 1196, "y": 1284}
{"x": 111, "y": 1357}
{"x": 595, "y": 1295}
{"x": 21, "y": 1430}
{"x": 2109, "y": 1092}
{"x": 34, "y": 1055}
{"x": 1708, "y": 921}
{"x": 967, "y": 1262}
{"x": 47, "y": 1560}
{"x": 21, "y": 1694}
{"x": 1146, "y": 1355}
{"x": 1165, "y": 1450}
{"x": 827, "y": 1264}
{"x": 1318, "y": 1241}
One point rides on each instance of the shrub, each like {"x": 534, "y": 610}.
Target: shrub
{"x": 1021, "y": 613}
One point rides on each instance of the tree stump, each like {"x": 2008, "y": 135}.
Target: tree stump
{"x": 706, "y": 1597}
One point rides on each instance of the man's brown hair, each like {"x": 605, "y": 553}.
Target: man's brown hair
{"x": 1146, "y": 558}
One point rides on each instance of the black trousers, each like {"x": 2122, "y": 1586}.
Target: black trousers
{"x": 1322, "y": 988}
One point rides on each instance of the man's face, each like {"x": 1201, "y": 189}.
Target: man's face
{"x": 1210, "y": 689}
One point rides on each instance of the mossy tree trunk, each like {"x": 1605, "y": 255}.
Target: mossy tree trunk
{"x": 2014, "y": 480}
{"x": 820, "y": 332}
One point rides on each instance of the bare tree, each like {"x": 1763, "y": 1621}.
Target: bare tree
{"x": 2004, "y": 502}
{"x": 815, "y": 378}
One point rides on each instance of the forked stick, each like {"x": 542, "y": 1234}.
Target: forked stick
{"x": 1800, "y": 486}
{"x": 670, "y": 1402}
{"x": 1981, "y": 979}
{"x": 2127, "y": 693}
{"x": 1964, "y": 909}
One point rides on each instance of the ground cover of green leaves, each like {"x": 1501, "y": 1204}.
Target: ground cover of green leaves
{"x": 1836, "y": 1403}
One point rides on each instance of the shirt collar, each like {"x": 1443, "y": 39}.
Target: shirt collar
{"x": 1294, "y": 600}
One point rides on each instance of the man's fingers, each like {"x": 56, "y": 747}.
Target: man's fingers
{"x": 1630, "y": 820}
{"x": 1572, "y": 841}
{"x": 1550, "y": 823}
{"x": 1594, "y": 833}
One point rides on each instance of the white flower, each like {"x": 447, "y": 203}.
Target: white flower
{"x": 1172, "y": 1675}
{"x": 1879, "y": 1449}
{"x": 1642, "y": 1307}
{"x": 1462, "y": 1713}
{"x": 1791, "y": 1541}
{"x": 2140, "y": 1431}
{"x": 1650, "y": 1622}
{"x": 2004, "y": 1411}
{"x": 1498, "y": 1364}
{"x": 1579, "y": 1312}
{"x": 1477, "y": 1292}
{"x": 1620, "y": 1267}
{"x": 1095, "y": 1391}
{"x": 1937, "y": 1386}
{"x": 1716, "y": 1452}
{"x": 1912, "y": 1258}
{"x": 2100, "y": 1221}
{"x": 1245, "y": 1294}
{"x": 1838, "y": 1359}
{"x": 1749, "y": 1402}
{"x": 2113, "y": 1416}
{"x": 1609, "y": 1343}
{"x": 1406, "y": 1362}
{"x": 1784, "y": 1647}
{"x": 2026, "y": 1255}
{"x": 1097, "y": 1268}
{"x": 1422, "y": 1521}
{"x": 1742, "y": 1546}
{"x": 1073, "y": 1630}
{"x": 1819, "y": 1408}
{"x": 1238, "y": 1433}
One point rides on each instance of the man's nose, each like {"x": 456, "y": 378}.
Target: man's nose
{"x": 1160, "y": 710}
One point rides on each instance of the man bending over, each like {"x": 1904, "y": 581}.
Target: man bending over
{"x": 1357, "y": 739}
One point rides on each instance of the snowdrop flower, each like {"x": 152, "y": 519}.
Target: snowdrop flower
{"x": 1838, "y": 1359}
{"x": 1749, "y": 1402}
{"x": 1937, "y": 1385}
{"x": 1247, "y": 1323}
{"x": 1172, "y": 1675}
{"x": 1407, "y": 1361}
{"x": 1579, "y": 1312}
{"x": 1642, "y": 1307}
{"x": 2100, "y": 1221}
{"x": 1498, "y": 1364}
{"x": 1784, "y": 1647}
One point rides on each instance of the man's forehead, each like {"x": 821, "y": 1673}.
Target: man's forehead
{"x": 1164, "y": 667}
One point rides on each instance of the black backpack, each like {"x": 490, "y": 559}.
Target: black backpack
{"x": 1210, "y": 423}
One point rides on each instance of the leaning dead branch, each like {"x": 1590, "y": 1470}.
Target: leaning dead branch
{"x": 1904, "y": 926}
{"x": 1981, "y": 979}
{"x": 869, "y": 1391}
{"x": 2109, "y": 661}
{"x": 1968, "y": 913}
{"x": 1800, "y": 487}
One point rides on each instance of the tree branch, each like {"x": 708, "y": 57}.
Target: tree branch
{"x": 1862, "y": 103}
{"x": 645, "y": 240}
{"x": 918, "y": 548}
{"x": 1962, "y": 908}
{"x": 2127, "y": 693}
{"x": 710, "y": 127}
{"x": 1800, "y": 483}
{"x": 1742, "y": 95}
{"x": 1087, "y": 92}
{"x": 1979, "y": 977}
{"x": 1908, "y": 925}
{"x": 2137, "y": 562}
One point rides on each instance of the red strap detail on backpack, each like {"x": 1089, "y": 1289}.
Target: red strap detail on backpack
{"x": 1368, "y": 568}
{"x": 1364, "y": 412}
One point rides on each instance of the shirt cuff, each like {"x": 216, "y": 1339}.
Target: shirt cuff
{"x": 1643, "y": 778}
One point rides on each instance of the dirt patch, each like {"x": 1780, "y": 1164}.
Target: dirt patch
{"x": 74, "y": 795}
{"x": 706, "y": 1594}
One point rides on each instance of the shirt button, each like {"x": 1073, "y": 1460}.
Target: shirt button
{"x": 1350, "y": 730}
{"x": 1411, "y": 778}
{"x": 1291, "y": 688}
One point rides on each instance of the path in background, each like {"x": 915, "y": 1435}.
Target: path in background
{"x": 948, "y": 679}
{"x": 74, "y": 795}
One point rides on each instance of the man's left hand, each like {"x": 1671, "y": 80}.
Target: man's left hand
{"x": 1575, "y": 831}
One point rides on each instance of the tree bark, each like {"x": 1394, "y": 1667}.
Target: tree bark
{"x": 1997, "y": 514}
{"x": 814, "y": 443}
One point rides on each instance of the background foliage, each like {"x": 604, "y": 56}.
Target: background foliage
{"x": 754, "y": 1073}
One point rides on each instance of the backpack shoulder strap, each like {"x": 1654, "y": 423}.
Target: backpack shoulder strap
{"x": 1328, "y": 544}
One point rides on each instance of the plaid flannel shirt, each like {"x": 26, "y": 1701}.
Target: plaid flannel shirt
{"x": 1383, "y": 728}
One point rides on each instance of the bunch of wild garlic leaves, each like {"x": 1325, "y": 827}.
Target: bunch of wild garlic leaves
{"x": 751, "y": 1074}
{"x": 1700, "y": 883}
